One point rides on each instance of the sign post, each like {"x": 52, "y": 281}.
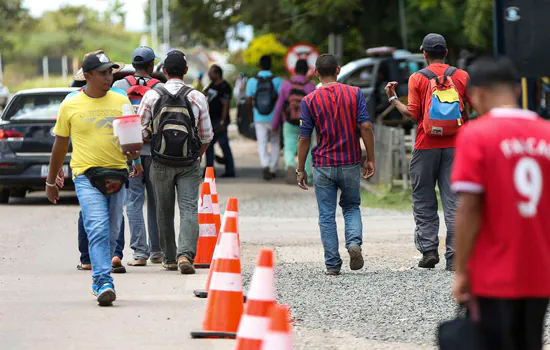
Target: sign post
{"x": 299, "y": 51}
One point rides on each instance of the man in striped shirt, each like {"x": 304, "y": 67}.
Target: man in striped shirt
{"x": 339, "y": 115}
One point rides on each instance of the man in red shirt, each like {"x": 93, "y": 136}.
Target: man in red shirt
{"x": 502, "y": 176}
{"x": 433, "y": 155}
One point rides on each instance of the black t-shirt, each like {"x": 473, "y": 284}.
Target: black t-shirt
{"x": 217, "y": 94}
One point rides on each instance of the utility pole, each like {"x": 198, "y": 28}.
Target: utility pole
{"x": 154, "y": 24}
{"x": 403, "y": 25}
{"x": 166, "y": 22}
{"x": 498, "y": 28}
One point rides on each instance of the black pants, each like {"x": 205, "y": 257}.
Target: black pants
{"x": 512, "y": 324}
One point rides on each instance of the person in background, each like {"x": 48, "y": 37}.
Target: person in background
{"x": 175, "y": 171}
{"x": 98, "y": 163}
{"x": 338, "y": 113}
{"x": 262, "y": 91}
{"x": 287, "y": 115}
{"x": 143, "y": 60}
{"x": 197, "y": 83}
{"x": 433, "y": 154}
{"x": 502, "y": 176}
{"x": 218, "y": 93}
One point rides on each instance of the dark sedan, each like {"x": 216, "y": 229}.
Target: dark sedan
{"x": 26, "y": 140}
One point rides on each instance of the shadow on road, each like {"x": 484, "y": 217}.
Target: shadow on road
{"x": 40, "y": 199}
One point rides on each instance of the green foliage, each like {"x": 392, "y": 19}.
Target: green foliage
{"x": 70, "y": 31}
{"x": 266, "y": 45}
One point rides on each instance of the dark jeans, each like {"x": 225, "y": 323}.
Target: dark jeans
{"x": 223, "y": 139}
{"x": 83, "y": 242}
{"x": 181, "y": 184}
{"x": 512, "y": 324}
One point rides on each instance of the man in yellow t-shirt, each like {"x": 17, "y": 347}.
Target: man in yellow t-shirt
{"x": 87, "y": 118}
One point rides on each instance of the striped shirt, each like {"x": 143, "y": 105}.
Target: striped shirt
{"x": 198, "y": 101}
{"x": 335, "y": 111}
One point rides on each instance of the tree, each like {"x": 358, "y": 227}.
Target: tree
{"x": 13, "y": 17}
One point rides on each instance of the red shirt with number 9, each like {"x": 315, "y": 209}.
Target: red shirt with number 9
{"x": 505, "y": 156}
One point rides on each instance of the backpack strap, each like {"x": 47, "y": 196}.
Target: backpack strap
{"x": 152, "y": 82}
{"x": 131, "y": 80}
{"x": 450, "y": 71}
{"x": 428, "y": 73}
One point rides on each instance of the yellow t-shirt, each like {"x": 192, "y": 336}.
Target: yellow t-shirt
{"x": 89, "y": 123}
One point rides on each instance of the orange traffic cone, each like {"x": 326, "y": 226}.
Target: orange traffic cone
{"x": 261, "y": 298}
{"x": 207, "y": 229}
{"x": 224, "y": 307}
{"x": 279, "y": 333}
{"x": 211, "y": 179}
{"x": 231, "y": 210}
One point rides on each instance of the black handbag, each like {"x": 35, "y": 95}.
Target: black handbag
{"x": 108, "y": 181}
{"x": 462, "y": 333}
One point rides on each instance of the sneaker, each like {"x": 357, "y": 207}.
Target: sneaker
{"x": 266, "y": 173}
{"x": 356, "y": 260}
{"x": 429, "y": 260}
{"x": 290, "y": 177}
{"x": 137, "y": 262}
{"x": 170, "y": 266}
{"x": 332, "y": 272}
{"x": 228, "y": 175}
{"x": 156, "y": 260}
{"x": 105, "y": 294}
{"x": 116, "y": 265}
{"x": 185, "y": 266}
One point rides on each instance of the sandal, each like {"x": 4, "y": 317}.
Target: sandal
{"x": 84, "y": 267}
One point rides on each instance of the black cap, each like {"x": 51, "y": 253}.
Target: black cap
{"x": 434, "y": 42}
{"x": 175, "y": 63}
{"x": 143, "y": 54}
{"x": 98, "y": 61}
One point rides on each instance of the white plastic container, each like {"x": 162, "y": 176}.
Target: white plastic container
{"x": 128, "y": 130}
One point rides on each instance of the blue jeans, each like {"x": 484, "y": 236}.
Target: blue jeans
{"x": 223, "y": 140}
{"x": 135, "y": 199}
{"x": 102, "y": 216}
{"x": 327, "y": 181}
{"x": 83, "y": 242}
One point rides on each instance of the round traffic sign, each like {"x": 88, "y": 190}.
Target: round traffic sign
{"x": 299, "y": 51}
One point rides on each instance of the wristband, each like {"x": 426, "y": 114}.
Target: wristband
{"x": 50, "y": 185}
{"x": 392, "y": 98}
{"x": 136, "y": 161}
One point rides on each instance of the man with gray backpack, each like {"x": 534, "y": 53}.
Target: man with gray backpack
{"x": 175, "y": 119}
{"x": 262, "y": 92}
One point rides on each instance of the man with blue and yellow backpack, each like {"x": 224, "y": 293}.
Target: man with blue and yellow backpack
{"x": 437, "y": 102}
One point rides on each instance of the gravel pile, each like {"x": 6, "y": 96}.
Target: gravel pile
{"x": 398, "y": 306}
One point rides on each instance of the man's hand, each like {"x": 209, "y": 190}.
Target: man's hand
{"x": 60, "y": 179}
{"x": 52, "y": 193}
{"x": 131, "y": 154}
{"x": 302, "y": 180}
{"x": 369, "y": 169}
{"x": 222, "y": 127}
{"x": 461, "y": 288}
{"x": 390, "y": 89}
{"x": 138, "y": 170}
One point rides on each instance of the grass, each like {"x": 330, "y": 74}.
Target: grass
{"x": 391, "y": 198}
{"x": 38, "y": 82}
{"x": 388, "y": 198}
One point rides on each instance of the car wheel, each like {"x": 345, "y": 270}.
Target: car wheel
{"x": 4, "y": 196}
{"x": 18, "y": 193}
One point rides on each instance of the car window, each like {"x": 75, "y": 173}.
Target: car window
{"x": 362, "y": 77}
{"x": 35, "y": 106}
{"x": 408, "y": 67}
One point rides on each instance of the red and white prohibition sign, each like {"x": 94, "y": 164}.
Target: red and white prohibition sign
{"x": 299, "y": 51}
